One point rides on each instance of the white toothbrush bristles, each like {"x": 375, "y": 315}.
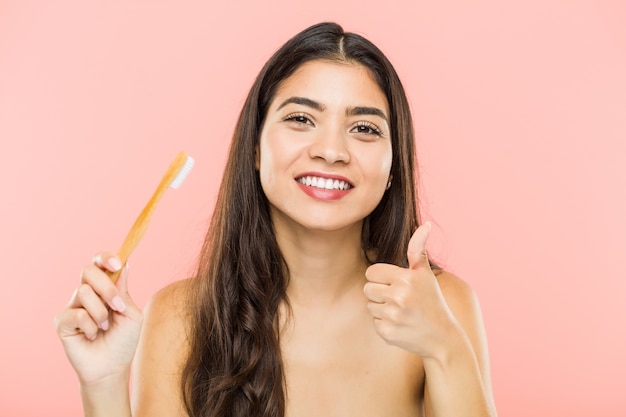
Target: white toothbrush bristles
{"x": 184, "y": 171}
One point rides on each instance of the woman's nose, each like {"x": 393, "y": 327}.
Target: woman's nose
{"x": 331, "y": 147}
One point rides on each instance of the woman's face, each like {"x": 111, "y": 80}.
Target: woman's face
{"x": 324, "y": 156}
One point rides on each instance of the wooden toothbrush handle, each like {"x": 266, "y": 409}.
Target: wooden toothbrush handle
{"x": 141, "y": 224}
{"x": 134, "y": 235}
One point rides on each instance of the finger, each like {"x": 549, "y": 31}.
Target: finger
{"x": 385, "y": 312}
{"x": 375, "y": 292}
{"x": 382, "y": 273}
{"x": 76, "y": 321}
{"x": 122, "y": 286}
{"x": 416, "y": 250}
{"x": 108, "y": 261}
{"x": 97, "y": 279}
{"x": 85, "y": 297}
{"x": 127, "y": 306}
{"x": 376, "y": 310}
{"x": 124, "y": 303}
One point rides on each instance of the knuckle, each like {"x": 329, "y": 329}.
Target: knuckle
{"x": 82, "y": 317}
{"x": 84, "y": 291}
{"x": 402, "y": 300}
{"x": 87, "y": 273}
{"x": 85, "y": 323}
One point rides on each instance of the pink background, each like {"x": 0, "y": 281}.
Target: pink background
{"x": 520, "y": 109}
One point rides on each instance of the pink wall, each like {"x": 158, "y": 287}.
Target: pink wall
{"x": 520, "y": 109}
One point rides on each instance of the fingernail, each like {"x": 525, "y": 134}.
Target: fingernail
{"x": 118, "y": 304}
{"x": 115, "y": 263}
{"x": 104, "y": 325}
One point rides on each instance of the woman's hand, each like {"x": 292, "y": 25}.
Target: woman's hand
{"x": 444, "y": 327}
{"x": 407, "y": 304}
{"x": 100, "y": 326}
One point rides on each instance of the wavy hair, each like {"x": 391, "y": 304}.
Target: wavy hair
{"x": 234, "y": 366}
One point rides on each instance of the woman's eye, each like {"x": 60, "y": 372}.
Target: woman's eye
{"x": 367, "y": 128}
{"x": 298, "y": 118}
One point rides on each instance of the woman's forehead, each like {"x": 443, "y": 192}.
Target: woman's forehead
{"x": 332, "y": 83}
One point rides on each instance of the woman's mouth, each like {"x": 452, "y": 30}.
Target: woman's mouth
{"x": 324, "y": 183}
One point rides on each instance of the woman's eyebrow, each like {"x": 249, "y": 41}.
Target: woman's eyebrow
{"x": 374, "y": 111}
{"x": 351, "y": 111}
{"x": 303, "y": 101}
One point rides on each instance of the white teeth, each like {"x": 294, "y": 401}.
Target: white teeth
{"x": 324, "y": 183}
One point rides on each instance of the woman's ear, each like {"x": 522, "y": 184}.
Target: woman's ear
{"x": 257, "y": 157}
{"x": 389, "y": 182}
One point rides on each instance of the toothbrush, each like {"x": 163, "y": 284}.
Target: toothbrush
{"x": 173, "y": 178}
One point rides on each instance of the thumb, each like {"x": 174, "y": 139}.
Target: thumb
{"x": 416, "y": 250}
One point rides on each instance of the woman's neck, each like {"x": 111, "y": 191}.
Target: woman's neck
{"x": 324, "y": 266}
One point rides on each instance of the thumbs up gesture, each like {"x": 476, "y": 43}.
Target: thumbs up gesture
{"x": 407, "y": 305}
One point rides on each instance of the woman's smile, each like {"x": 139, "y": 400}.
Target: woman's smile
{"x": 323, "y": 186}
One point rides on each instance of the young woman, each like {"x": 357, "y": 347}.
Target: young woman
{"x": 314, "y": 295}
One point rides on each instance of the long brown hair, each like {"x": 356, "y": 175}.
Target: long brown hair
{"x": 234, "y": 367}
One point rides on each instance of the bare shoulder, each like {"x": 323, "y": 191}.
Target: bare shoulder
{"x": 458, "y": 293}
{"x": 166, "y": 318}
{"x": 162, "y": 350}
{"x": 170, "y": 304}
{"x": 464, "y": 305}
